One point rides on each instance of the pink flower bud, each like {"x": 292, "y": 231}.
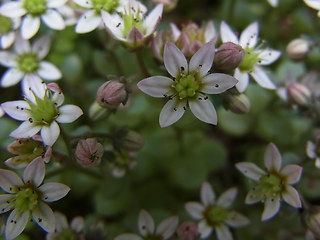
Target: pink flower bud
{"x": 237, "y": 103}
{"x": 187, "y": 231}
{"x": 89, "y": 152}
{"x": 299, "y": 94}
{"x": 228, "y": 56}
{"x": 111, "y": 94}
{"x": 298, "y": 49}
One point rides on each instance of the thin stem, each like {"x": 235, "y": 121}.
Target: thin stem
{"x": 141, "y": 63}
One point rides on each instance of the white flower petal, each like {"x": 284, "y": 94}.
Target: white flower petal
{"x": 113, "y": 24}
{"x": 12, "y": 9}
{"x": 250, "y": 170}
{"x": 8, "y": 59}
{"x": 34, "y": 172}
{"x": 292, "y": 172}
{"x": 254, "y": 197}
{"x": 61, "y": 221}
{"x": 44, "y": 217}
{"x": 56, "y": 3}
{"x": 11, "y": 77}
{"x": 268, "y": 56}
{"x": 77, "y": 224}
{"x": 210, "y": 32}
{"x": 202, "y": 60}
{"x": 262, "y": 78}
{"x": 48, "y": 71}
{"x": 227, "y": 198}
{"x": 7, "y": 40}
{"x": 171, "y": 112}
{"x": 291, "y": 196}
{"x": 174, "y": 60}
{"x": 88, "y": 22}
{"x": 216, "y": 83}
{"x": 29, "y": 26}
{"x": 156, "y": 86}
{"x": 227, "y": 35}
{"x": 53, "y": 19}
{"x": 50, "y": 133}
{"x": 204, "y": 110}
{"x": 84, "y": 3}
{"x": 153, "y": 19}
{"x": 311, "y": 149}
{"x": 69, "y": 113}
{"x": 58, "y": 98}
{"x": 128, "y": 236}
{"x": 33, "y": 86}
{"x": 195, "y": 209}
{"x": 249, "y": 35}
{"x": 207, "y": 194}
{"x": 313, "y": 3}
{"x": 204, "y": 229}
{"x": 223, "y": 232}
{"x": 25, "y": 130}
{"x": 243, "y": 80}
{"x": 53, "y": 191}
{"x": 167, "y": 227}
{"x": 145, "y": 223}
{"x": 41, "y": 46}
{"x": 16, "y": 223}
{"x": 17, "y": 109}
{"x": 9, "y": 181}
{"x": 236, "y": 219}
{"x": 273, "y": 3}
{"x": 21, "y": 45}
{"x": 271, "y": 207}
{"x": 175, "y": 32}
{"x": 5, "y": 202}
{"x": 272, "y": 158}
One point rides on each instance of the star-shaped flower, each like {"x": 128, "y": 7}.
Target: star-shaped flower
{"x": 254, "y": 56}
{"x": 41, "y": 111}
{"x": 273, "y": 184}
{"x": 29, "y": 197}
{"x": 188, "y": 86}
{"x": 315, "y": 4}
{"x": 33, "y": 11}
{"x": 216, "y": 214}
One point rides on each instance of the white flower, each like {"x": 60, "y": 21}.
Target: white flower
{"x": 27, "y": 62}
{"x": 215, "y": 214}
{"x": 41, "y": 111}
{"x": 27, "y": 197}
{"x": 273, "y": 3}
{"x": 131, "y": 26}
{"x": 315, "y": 4}
{"x": 32, "y": 11}
{"x": 254, "y": 57}
{"x": 147, "y": 228}
{"x": 7, "y": 30}
{"x": 188, "y": 86}
{"x": 273, "y": 184}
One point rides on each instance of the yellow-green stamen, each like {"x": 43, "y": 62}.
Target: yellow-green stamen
{"x": 106, "y": 5}
{"x": 28, "y": 62}
{"x": 250, "y": 59}
{"x": 35, "y": 7}
{"x": 215, "y": 215}
{"x": 187, "y": 85}
{"x": 5, "y": 25}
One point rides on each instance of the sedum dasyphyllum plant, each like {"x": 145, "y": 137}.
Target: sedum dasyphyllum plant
{"x": 92, "y": 94}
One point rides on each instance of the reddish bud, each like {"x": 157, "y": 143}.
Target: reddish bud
{"x": 89, "y": 152}
{"x": 187, "y": 231}
{"x": 299, "y": 94}
{"x": 228, "y": 56}
{"x": 111, "y": 94}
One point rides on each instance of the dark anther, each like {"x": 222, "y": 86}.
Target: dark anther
{"x": 170, "y": 98}
{"x": 206, "y": 97}
{"x": 17, "y": 107}
{"x": 184, "y": 108}
{"x": 182, "y": 68}
{"x": 200, "y": 65}
{"x": 10, "y": 188}
{"x": 217, "y": 85}
{"x": 2, "y": 209}
{"x": 165, "y": 95}
{"x": 30, "y": 120}
{"x": 39, "y": 220}
{"x": 200, "y": 98}
{"x": 175, "y": 109}
{"x": 118, "y": 25}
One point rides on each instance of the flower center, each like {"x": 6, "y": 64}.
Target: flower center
{"x": 132, "y": 19}
{"x": 215, "y": 215}
{"x": 106, "y": 5}
{"x": 27, "y": 198}
{"x": 35, "y": 7}
{"x": 5, "y": 25}
{"x": 271, "y": 184}
{"x": 187, "y": 85}
{"x": 28, "y": 62}
{"x": 250, "y": 59}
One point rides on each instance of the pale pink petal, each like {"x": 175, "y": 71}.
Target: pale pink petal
{"x": 7, "y": 40}
{"x": 250, "y": 170}
{"x": 209, "y": 32}
{"x": 153, "y": 19}
{"x": 44, "y": 217}
{"x": 311, "y": 149}
{"x": 195, "y": 210}
{"x": 254, "y": 197}
{"x": 8, "y": 59}
{"x": 174, "y": 60}
{"x": 17, "y": 109}
{"x": 243, "y": 80}
{"x": 25, "y": 130}
{"x": 207, "y": 194}
{"x": 227, "y": 35}
{"x": 267, "y": 57}
{"x": 53, "y": 19}
{"x": 227, "y": 198}
{"x": 249, "y": 35}
{"x": 171, "y": 112}
{"x": 175, "y": 31}
{"x": 292, "y": 172}
{"x": 41, "y": 47}
{"x": 56, "y": 3}
{"x": 262, "y": 78}
{"x": 204, "y": 229}
{"x": 11, "y": 77}
{"x": 167, "y": 227}
{"x": 272, "y": 158}
{"x": 216, "y": 83}
{"x": 16, "y": 223}
{"x": 34, "y": 172}
{"x": 223, "y": 232}
{"x": 204, "y": 110}
{"x": 12, "y": 9}
{"x": 145, "y": 223}
{"x": 236, "y": 219}
{"x": 291, "y": 196}
{"x": 113, "y": 24}
{"x": 5, "y": 202}
{"x": 88, "y": 22}
{"x": 21, "y": 45}
{"x": 128, "y": 236}
{"x": 202, "y": 60}
{"x": 135, "y": 36}
{"x": 50, "y": 133}
{"x": 271, "y": 207}
{"x": 53, "y": 191}
{"x": 9, "y": 181}
{"x": 156, "y": 86}
{"x": 84, "y": 3}
{"x": 29, "y": 26}
{"x": 69, "y": 113}
{"x": 48, "y": 71}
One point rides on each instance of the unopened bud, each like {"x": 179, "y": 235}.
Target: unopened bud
{"x": 228, "y": 56}
{"x": 298, "y": 49}
{"x": 128, "y": 140}
{"x": 89, "y": 152}
{"x": 238, "y": 103}
{"x": 299, "y": 94}
{"x": 187, "y": 231}
{"x": 111, "y": 94}
{"x": 96, "y": 112}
